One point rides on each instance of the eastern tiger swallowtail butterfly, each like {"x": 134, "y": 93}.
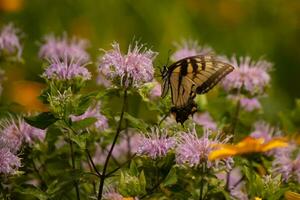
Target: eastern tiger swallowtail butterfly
{"x": 188, "y": 77}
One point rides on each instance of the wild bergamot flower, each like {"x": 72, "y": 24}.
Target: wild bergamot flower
{"x": 132, "y": 69}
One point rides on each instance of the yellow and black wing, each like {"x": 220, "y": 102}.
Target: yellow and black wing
{"x": 193, "y": 75}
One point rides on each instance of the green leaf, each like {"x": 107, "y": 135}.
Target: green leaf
{"x": 85, "y": 102}
{"x": 42, "y": 120}
{"x": 142, "y": 180}
{"x": 64, "y": 183}
{"x": 34, "y": 192}
{"x": 133, "y": 168}
{"x": 83, "y": 124}
{"x": 80, "y": 140}
{"x": 171, "y": 178}
{"x": 135, "y": 122}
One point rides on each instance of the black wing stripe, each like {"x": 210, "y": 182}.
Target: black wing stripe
{"x": 213, "y": 80}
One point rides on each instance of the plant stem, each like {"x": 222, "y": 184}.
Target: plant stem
{"x": 202, "y": 182}
{"x": 119, "y": 167}
{"x": 92, "y": 162}
{"x": 159, "y": 181}
{"x": 76, "y": 185}
{"x": 103, "y": 176}
{"x": 236, "y": 117}
{"x": 43, "y": 183}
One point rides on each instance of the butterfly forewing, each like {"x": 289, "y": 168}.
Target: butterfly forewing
{"x": 191, "y": 75}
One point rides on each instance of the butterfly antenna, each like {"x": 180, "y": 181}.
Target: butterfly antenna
{"x": 169, "y": 53}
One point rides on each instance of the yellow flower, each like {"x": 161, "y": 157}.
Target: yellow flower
{"x": 257, "y": 198}
{"x": 289, "y": 195}
{"x": 128, "y": 198}
{"x": 246, "y": 146}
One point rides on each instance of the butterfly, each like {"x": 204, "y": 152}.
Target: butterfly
{"x": 191, "y": 76}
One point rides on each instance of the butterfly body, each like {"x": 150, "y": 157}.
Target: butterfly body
{"x": 181, "y": 114}
{"x": 190, "y": 76}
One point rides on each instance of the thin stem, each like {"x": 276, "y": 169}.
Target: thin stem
{"x": 119, "y": 167}
{"x": 43, "y": 183}
{"x": 154, "y": 187}
{"x": 102, "y": 179}
{"x": 236, "y": 117}
{"x": 127, "y": 140}
{"x": 238, "y": 182}
{"x": 228, "y": 180}
{"x": 92, "y": 162}
{"x": 163, "y": 119}
{"x": 76, "y": 185}
{"x": 202, "y": 182}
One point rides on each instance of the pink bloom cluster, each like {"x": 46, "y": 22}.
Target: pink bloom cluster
{"x": 248, "y": 81}
{"x": 134, "y": 68}
{"x": 287, "y": 163}
{"x": 66, "y": 69}
{"x": 9, "y": 162}
{"x": 250, "y": 104}
{"x": 14, "y": 133}
{"x": 193, "y": 150}
{"x": 155, "y": 144}
{"x": 204, "y": 119}
{"x": 56, "y": 47}
{"x": 9, "y": 40}
{"x": 187, "y": 48}
{"x": 93, "y": 111}
{"x": 251, "y": 77}
{"x": 263, "y": 130}
{"x": 155, "y": 92}
{"x": 112, "y": 194}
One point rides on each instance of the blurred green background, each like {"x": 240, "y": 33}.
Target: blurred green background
{"x": 268, "y": 28}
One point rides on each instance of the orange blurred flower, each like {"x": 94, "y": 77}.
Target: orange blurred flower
{"x": 26, "y": 94}
{"x": 11, "y": 5}
{"x": 289, "y": 195}
{"x": 246, "y": 146}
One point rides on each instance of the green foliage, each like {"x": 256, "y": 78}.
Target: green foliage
{"x": 42, "y": 120}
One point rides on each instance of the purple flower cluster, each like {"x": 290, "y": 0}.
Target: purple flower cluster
{"x": 193, "y": 151}
{"x": 155, "y": 92}
{"x": 112, "y": 194}
{"x": 155, "y": 144}
{"x": 263, "y": 130}
{"x": 187, "y": 48}
{"x": 14, "y": 133}
{"x": 251, "y": 77}
{"x": 9, "y": 162}
{"x": 247, "y": 82}
{"x": 205, "y": 120}
{"x": 66, "y": 69}
{"x": 250, "y": 104}
{"x": 287, "y": 163}
{"x": 72, "y": 49}
{"x": 134, "y": 68}
{"x": 9, "y": 40}
{"x": 93, "y": 111}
